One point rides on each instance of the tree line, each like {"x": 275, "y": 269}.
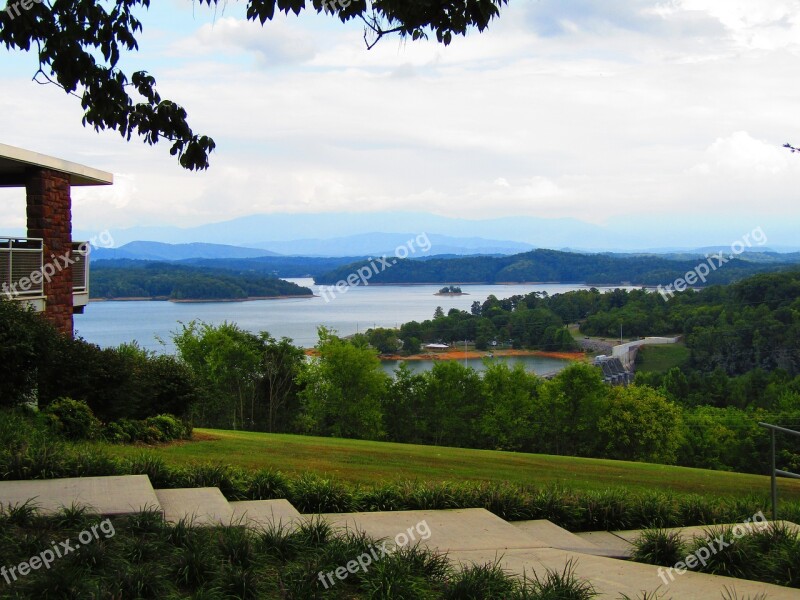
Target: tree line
{"x": 180, "y": 282}
{"x": 554, "y": 265}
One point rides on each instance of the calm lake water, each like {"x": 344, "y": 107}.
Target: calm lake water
{"x": 536, "y": 364}
{"x": 147, "y": 322}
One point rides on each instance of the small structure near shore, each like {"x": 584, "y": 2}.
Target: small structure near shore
{"x": 437, "y": 347}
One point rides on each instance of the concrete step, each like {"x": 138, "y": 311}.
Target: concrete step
{"x": 117, "y": 495}
{"x": 442, "y": 530}
{"x": 611, "y": 578}
{"x": 614, "y": 545}
{"x": 200, "y": 506}
{"x": 701, "y": 531}
{"x": 264, "y": 513}
{"x": 558, "y": 537}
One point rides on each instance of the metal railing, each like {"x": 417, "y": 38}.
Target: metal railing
{"x": 20, "y": 259}
{"x": 775, "y": 471}
{"x": 23, "y": 272}
{"x": 80, "y": 267}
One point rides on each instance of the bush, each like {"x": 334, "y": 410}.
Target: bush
{"x": 169, "y": 428}
{"x": 162, "y": 428}
{"x": 73, "y": 419}
{"x": 659, "y": 547}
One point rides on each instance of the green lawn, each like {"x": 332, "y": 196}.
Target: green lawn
{"x": 371, "y": 462}
{"x": 661, "y": 359}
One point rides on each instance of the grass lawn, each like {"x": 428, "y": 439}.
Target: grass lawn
{"x": 371, "y": 462}
{"x": 661, "y": 359}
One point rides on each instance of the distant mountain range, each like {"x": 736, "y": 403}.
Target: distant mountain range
{"x": 342, "y": 234}
{"x": 378, "y": 244}
{"x": 367, "y": 244}
{"x": 159, "y": 251}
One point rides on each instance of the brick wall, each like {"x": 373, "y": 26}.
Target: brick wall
{"x": 50, "y": 218}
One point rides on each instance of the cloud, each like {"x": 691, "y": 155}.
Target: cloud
{"x": 766, "y": 24}
{"x": 742, "y": 156}
{"x": 644, "y": 108}
{"x": 278, "y": 43}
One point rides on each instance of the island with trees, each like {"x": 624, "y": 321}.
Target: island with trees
{"x": 450, "y": 290}
{"x": 116, "y": 280}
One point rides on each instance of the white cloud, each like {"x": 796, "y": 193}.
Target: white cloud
{"x": 279, "y": 43}
{"x": 636, "y": 109}
{"x": 743, "y": 156}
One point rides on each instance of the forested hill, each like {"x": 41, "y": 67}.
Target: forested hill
{"x": 136, "y": 279}
{"x": 552, "y": 265}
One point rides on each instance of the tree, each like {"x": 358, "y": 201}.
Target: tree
{"x": 567, "y": 410}
{"x": 455, "y": 402}
{"x": 405, "y": 407}
{"x": 640, "y": 424}
{"x": 281, "y": 362}
{"x": 343, "y": 389}
{"x": 80, "y": 44}
{"x": 227, "y": 360}
{"x": 383, "y": 340}
{"x": 507, "y": 422}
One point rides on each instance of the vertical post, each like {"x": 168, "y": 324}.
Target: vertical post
{"x": 49, "y": 212}
{"x": 774, "y": 482}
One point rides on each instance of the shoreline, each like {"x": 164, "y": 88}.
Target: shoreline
{"x": 455, "y": 354}
{"x": 200, "y": 300}
{"x": 507, "y": 283}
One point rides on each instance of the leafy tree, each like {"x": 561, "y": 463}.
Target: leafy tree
{"x": 455, "y": 402}
{"x": 475, "y": 309}
{"x": 281, "y": 363}
{"x": 507, "y": 422}
{"x": 405, "y": 407}
{"x": 567, "y": 410}
{"x": 438, "y": 313}
{"x": 80, "y": 44}
{"x": 25, "y": 340}
{"x": 383, "y": 340}
{"x": 640, "y": 424}
{"x": 228, "y": 361}
{"x": 342, "y": 390}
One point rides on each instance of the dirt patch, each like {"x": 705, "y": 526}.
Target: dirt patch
{"x": 199, "y": 436}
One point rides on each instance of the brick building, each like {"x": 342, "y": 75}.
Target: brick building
{"x": 47, "y": 269}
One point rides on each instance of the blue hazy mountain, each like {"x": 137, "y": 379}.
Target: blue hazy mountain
{"x": 324, "y": 233}
{"x": 140, "y": 250}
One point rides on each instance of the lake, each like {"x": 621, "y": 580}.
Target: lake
{"x": 540, "y": 365}
{"x": 114, "y": 322}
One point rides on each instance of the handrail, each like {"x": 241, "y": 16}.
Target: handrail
{"x": 20, "y": 259}
{"x": 23, "y": 272}
{"x": 775, "y": 471}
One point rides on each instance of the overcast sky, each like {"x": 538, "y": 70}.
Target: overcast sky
{"x": 587, "y": 109}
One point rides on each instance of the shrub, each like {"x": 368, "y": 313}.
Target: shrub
{"x": 169, "y": 428}
{"x": 659, "y": 547}
{"x": 162, "y": 428}
{"x": 74, "y": 419}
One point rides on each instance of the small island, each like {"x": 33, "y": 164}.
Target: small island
{"x": 450, "y": 290}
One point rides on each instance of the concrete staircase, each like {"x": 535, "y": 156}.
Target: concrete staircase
{"x": 468, "y": 536}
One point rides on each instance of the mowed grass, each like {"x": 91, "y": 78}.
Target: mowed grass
{"x": 365, "y": 462}
{"x": 660, "y": 359}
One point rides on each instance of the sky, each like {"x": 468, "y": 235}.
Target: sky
{"x": 639, "y": 112}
